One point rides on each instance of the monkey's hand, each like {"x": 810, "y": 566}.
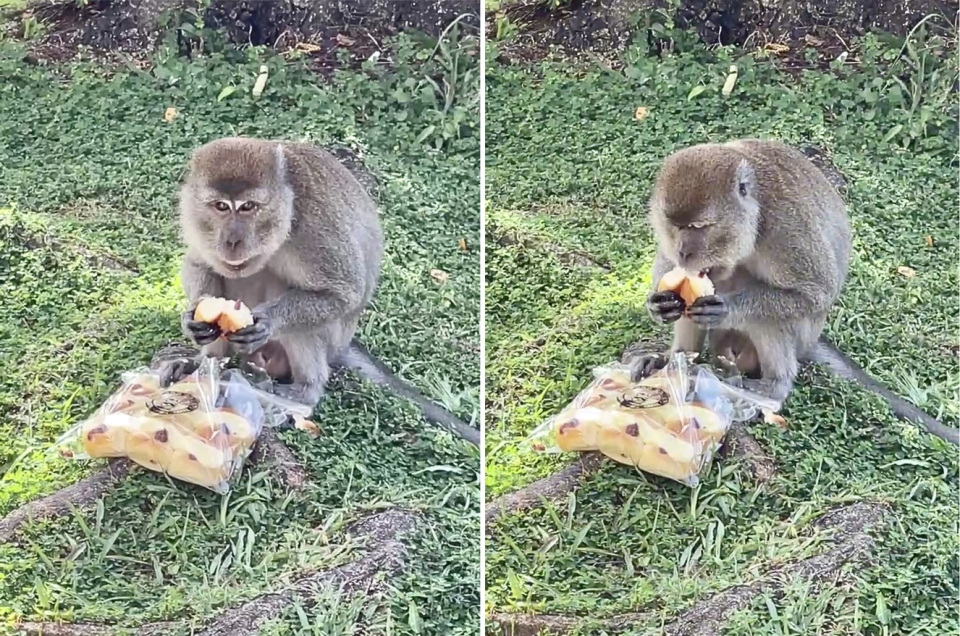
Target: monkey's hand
{"x": 708, "y": 311}
{"x": 201, "y": 333}
{"x": 665, "y": 306}
{"x": 643, "y": 366}
{"x": 171, "y": 371}
{"x": 249, "y": 339}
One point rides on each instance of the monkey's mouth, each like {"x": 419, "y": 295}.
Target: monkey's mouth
{"x": 237, "y": 266}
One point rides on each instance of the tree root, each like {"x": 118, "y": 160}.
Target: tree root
{"x": 549, "y": 488}
{"x": 270, "y": 448}
{"x": 851, "y": 544}
{"x": 741, "y": 445}
{"x": 89, "y": 489}
{"x": 381, "y": 532}
{"x": 537, "y": 624}
{"x": 84, "y": 492}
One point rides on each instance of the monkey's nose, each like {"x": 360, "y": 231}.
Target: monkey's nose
{"x": 233, "y": 244}
{"x": 684, "y": 253}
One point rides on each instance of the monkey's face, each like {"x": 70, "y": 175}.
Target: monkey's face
{"x": 703, "y": 209}
{"x": 235, "y": 208}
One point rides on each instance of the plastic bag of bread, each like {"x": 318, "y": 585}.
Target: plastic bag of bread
{"x": 199, "y": 430}
{"x": 669, "y": 424}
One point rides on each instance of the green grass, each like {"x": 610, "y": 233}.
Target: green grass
{"x": 89, "y": 262}
{"x": 569, "y": 171}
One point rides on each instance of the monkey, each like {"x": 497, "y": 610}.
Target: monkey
{"x": 773, "y": 234}
{"x": 286, "y": 229}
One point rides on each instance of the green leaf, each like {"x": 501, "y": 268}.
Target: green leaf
{"x": 696, "y": 90}
{"x": 413, "y": 618}
{"x": 226, "y": 92}
{"x": 429, "y": 130}
{"x": 893, "y": 132}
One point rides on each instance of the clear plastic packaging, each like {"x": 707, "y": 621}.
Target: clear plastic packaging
{"x": 669, "y": 424}
{"x": 199, "y": 430}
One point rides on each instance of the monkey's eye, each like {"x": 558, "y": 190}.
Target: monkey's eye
{"x": 743, "y": 189}
{"x": 696, "y": 226}
{"x": 247, "y": 206}
{"x": 221, "y": 206}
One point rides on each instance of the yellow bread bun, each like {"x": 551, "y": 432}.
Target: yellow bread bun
{"x": 578, "y": 431}
{"x": 640, "y": 447}
{"x": 229, "y": 315}
{"x": 226, "y": 429}
{"x": 181, "y": 464}
{"x": 99, "y": 435}
{"x": 155, "y": 437}
{"x": 690, "y": 287}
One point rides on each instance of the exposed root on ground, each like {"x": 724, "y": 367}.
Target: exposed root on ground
{"x": 81, "y": 494}
{"x": 381, "y": 533}
{"x": 89, "y": 489}
{"x": 850, "y": 543}
{"x": 549, "y": 488}
{"x": 566, "y": 255}
{"x": 270, "y": 448}
{"x": 741, "y": 445}
{"x": 537, "y": 624}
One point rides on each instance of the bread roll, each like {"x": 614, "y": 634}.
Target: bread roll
{"x": 689, "y": 286}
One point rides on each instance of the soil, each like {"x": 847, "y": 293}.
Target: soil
{"x": 787, "y": 29}
{"x": 324, "y": 31}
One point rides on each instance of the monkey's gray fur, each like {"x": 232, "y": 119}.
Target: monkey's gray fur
{"x": 288, "y": 230}
{"x": 774, "y": 236}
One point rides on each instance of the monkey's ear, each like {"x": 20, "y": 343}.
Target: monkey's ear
{"x": 746, "y": 179}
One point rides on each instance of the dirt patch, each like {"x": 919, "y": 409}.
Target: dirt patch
{"x": 322, "y": 30}
{"x": 786, "y": 28}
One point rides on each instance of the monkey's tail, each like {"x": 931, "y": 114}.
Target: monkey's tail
{"x": 830, "y": 356}
{"x": 363, "y": 362}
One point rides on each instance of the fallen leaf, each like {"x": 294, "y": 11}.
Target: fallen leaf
{"x": 66, "y": 454}
{"x": 306, "y": 425}
{"x": 261, "y": 82}
{"x": 308, "y": 47}
{"x": 439, "y": 275}
{"x": 907, "y": 272}
{"x": 463, "y": 245}
{"x": 169, "y": 114}
{"x": 812, "y": 41}
{"x": 641, "y": 113}
{"x": 774, "y": 418}
{"x": 775, "y": 48}
{"x": 730, "y": 82}
{"x": 929, "y": 241}
{"x": 343, "y": 40}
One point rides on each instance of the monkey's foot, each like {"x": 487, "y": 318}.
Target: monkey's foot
{"x": 644, "y": 365}
{"x": 308, "y": 394}
{"x": 775, "y": 389}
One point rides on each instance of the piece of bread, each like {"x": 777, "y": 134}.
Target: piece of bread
{"x": 688, "y": 286}
{"x": 229, "y": 315}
